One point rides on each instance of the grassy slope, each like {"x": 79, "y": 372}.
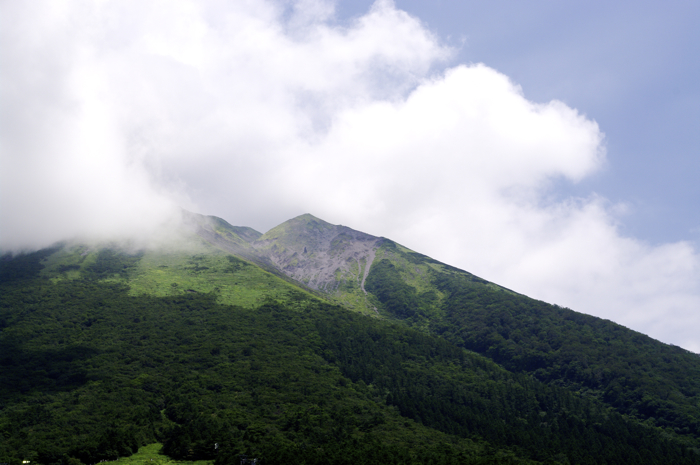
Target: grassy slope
{"x": 190, "y": 266}
{"x": 235, "y": 281}
{"x": 302, "y": 229}
{"x": 151, "y": 455}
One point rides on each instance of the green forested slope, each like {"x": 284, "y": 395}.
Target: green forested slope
{"x": 654, "y": 382}
{"x": 460, "y": 393}
{"x": 90, "y": 371}
{"x": 627, "y": 369}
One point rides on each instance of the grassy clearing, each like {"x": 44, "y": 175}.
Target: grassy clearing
{"x": 354, "y": 300}
{"x": 68, "y": 262}
{"x": 191, "y": 266}
{"x": 150, "y": 455}
{"x": 234, "y": 281}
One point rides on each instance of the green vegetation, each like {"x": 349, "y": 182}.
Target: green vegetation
{"x": 457, "y": 392}
{"x": 234, "y": 281}
{"x": 635, "y": 374}
{"x": 91, "y": 373}
{"x": 398, "y": 298}
{"x": 653, "y": 382}
{"x": 210, "y": 350}
{"x": 194, "y": 266}
{"x": 152, "y": 455}
{"x": 23, "y": 267}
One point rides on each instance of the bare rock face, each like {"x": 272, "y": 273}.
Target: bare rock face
{"x": 332, "y": 259}
{"x": 319, "y": 254}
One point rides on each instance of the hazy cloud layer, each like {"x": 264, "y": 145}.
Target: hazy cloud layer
{"x": 114, "y": 113}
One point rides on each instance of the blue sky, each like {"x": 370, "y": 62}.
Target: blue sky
{"x": 550, "y": 147}
{"x": 633, "y": 67}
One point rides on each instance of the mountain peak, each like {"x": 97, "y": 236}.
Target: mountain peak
{"x": 302, "y": 225}
{"x": 306, "y": 218}
{"x": 320, "y": 254}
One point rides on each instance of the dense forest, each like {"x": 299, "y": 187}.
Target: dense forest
{"x": 656, "y": 383}
{"x": 90, "y": 372}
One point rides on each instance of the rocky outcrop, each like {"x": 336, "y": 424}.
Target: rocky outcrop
{"x": 321, "y": 255}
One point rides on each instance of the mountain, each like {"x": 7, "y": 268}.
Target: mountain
{"x": 638, "y": 376}
{"x": 316, "y": 343}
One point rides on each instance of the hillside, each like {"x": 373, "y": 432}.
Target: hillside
{"x": 656, "y": 383}
{"x": 316, "y": 343}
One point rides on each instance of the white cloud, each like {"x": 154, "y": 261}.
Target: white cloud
{"x": 115, "y": 112}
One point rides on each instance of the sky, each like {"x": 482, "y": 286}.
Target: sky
{"x": 550, "y": 147}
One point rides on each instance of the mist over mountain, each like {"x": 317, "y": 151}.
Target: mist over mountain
{"x": 463, "y": 295}
{"x": 116, "y": 114}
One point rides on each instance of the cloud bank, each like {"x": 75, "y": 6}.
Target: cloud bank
{"x": 117, "y": 112}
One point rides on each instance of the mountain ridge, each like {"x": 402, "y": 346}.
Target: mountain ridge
{"x": 406, "y": 286}
{"x": 557, "y": 383}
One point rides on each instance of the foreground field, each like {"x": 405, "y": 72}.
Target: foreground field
{"x": 151, "y": 455}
